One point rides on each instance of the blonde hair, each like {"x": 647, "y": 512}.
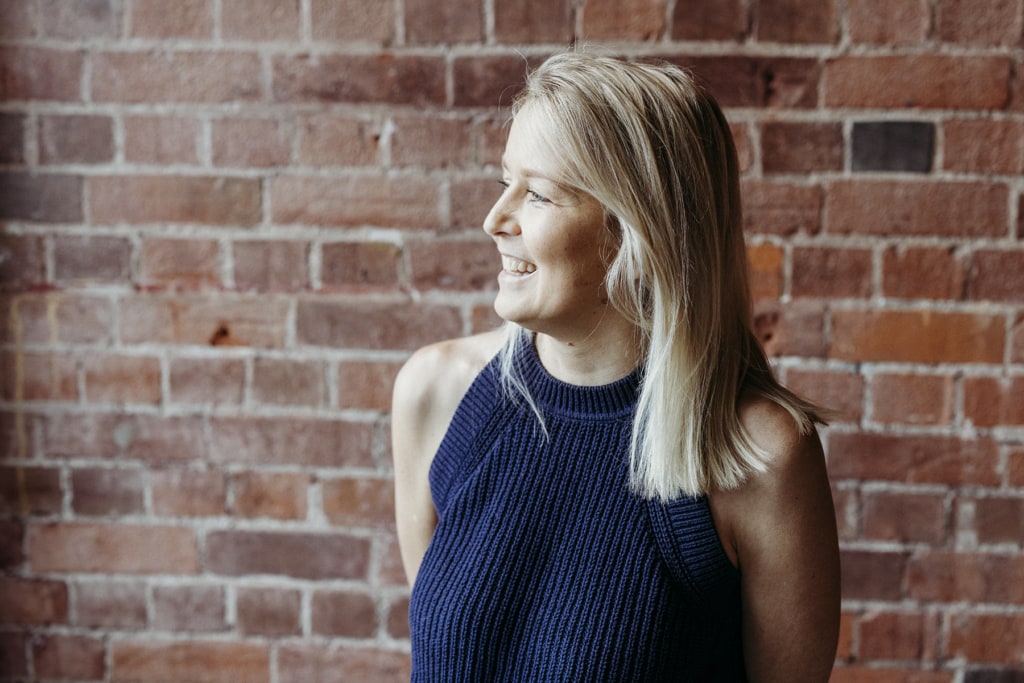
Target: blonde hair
{"x": 654, "y": 148}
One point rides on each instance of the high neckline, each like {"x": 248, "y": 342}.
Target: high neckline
{"x": 553, "y": 396}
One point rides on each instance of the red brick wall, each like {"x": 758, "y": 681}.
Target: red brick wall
{"x": 225, "y": 223}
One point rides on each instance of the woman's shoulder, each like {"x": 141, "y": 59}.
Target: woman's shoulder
{"x": 432, "y": 382}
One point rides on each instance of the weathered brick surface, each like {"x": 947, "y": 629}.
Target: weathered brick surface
{"x": 226, "y": 224}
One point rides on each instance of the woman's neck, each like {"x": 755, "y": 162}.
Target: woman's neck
{"x": 609, "y": 353}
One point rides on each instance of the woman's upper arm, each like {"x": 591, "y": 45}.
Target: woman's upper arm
{"x": 783, "y": 526}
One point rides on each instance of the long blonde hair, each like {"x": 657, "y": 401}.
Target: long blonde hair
{"x": 654, "y": 148}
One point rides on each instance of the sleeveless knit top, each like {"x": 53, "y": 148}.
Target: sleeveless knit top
{"x": 545, "y": 567}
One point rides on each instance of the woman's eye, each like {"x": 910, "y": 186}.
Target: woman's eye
{"x": 534, "y": 197}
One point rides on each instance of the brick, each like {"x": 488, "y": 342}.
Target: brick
{"x": 165, "y": 76}
{"x": 44, "y": 198}
{"x": 920, "y": 459}
{"x": 489, "y": 80}
{"x": 996, "y": 275}
{"x": 196, "y": 661}
{"x": 12, "y": 554}
{"x": 270, "y": 495}
{"x": 912, "y": 399}
{"x": 889, "y": 22}
{"x": 33, "y": 602}
{"x": 28, "y": 491}
{"x": 534, "y": 21}
{"x": 983, "y": 146}
{"x": 149, "y": 438}
{"x": 331, "y": 139}
{"x": 1015, "y": 468}
{"x": 115, "y": 604}
{"x": 992, "y": 402}
{"x": 897, "y": 636}
{"x": 122, "y": 379}
{"x": 18, "y": 23}
{"x": 362, "y": 503}
{"x": 188, "y": 493}
{"x": 360, "y": 265}
{"x": 945, "y": 577}
{"x": 78, "y": 20}
{"x": 360, "y": 79}
{"x": 765, "y": 262}
{"x": 906, "y": 146}
{"x": 22, "y": 261}
{"x": 993, "y": 675}
{"x": 113, "y": 548}
{"x": 1017, "y": 340}
{"x": 926, "y": 81}
{"x": 366, "y": 385}
{"x": 163, "y": 140}
{"x": 344, "y": 21}
{"x": 904, "y": 517}
{"x": 291, "y": 441}
{"x": 232, "y": 141}
{"x": 204, "y": 320}
{"x": 192, "y": 19}
{"x": 16, "y": 430}
{"x": 107, "y": 492}
{"x": 836, "y": 390}
{"x": 384, "y": 201}
{"x": 397, "y": 620}
{"x": 999, "y": 520}
{"x": 801, "y": 147}
{"x": 38, "y": 377}
{"x": 781, "y": 209}
{"x": 923, "y": 273}
{"x": 209, "y": 200}
{"x": 12, "y": 135}
{"x": 796, "y": 329}
{"x": 362, "y": 325}
{"x": 995, "y": 638}
{"x": 391, "y": 571}
{"x": 345, "y": 614}
{"x": 742, "y": 140}
{"x": 13, "y": 658}
{"x": 189, "y": 608}
{"x": 871, "y": 575}
{"x": 206, "y": 381}
{"x": 308, "y": 662}
{"x": 431, "y": 142}
{"x": 35, "y": 73}
{"x": 710, "y": 19}
{"x": 269, "y": 612}
{"x": 945, "y": 209}
{"x": 758, "y": 81}
{"x": 443, "y": 264}
{"x": 845, "y": 646}
{"x": 69, "y": 657}
{"x": 298, "y": 555}
{"x": 998, "y": 23}
{"x": 917, "y": 336}
{"x": 92, "y": 258}
{"x": 834, "y": 272}
{"x": 873, "y": 673}
{"x": 271, "y": 266}
{"x": 179, "y": 264}
{"x": 798, "y": 21}
{"x": 629, "y": 20}
{"x": 470, "y": 200}
{"x": 457, "y": 21}
{"x": 76, "y": 139}
{"x": 285, "y": 381}
{"x": 260, "y": 20}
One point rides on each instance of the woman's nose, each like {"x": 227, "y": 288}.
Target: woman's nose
{"x": 501, "y": 219}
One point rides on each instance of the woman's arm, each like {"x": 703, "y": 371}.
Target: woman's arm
{"x": 781, "y": 525}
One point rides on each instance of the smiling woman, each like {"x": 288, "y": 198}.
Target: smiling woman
{"x": 614, "y": 487}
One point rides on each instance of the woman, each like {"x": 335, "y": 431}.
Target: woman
{"x": 614, "y": 487}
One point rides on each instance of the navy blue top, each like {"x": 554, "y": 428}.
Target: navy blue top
{"x": 545, "y": 566}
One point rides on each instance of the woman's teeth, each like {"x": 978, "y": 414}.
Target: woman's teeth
{"x": 516, "y": 266}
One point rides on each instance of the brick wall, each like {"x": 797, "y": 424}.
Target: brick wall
{"x": 225, "y": 223}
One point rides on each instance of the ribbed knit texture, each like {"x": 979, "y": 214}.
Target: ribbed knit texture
{"x": 545, "y": 567}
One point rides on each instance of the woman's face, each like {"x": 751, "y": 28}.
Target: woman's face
{"x": 552, "y": 239}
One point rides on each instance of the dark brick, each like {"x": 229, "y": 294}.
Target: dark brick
{"x": 893, "y": 146}
{"x": 76, "y": 139}
{"x": 22, "y": 262}
{"x": 994, "y": 676}
{"x": 360, "y": 79}
{"x": 739, "y": 81}
{"x": 710, "y": 20}
{"x": 12, "y": 146}
{"x": 43, "y": 198}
